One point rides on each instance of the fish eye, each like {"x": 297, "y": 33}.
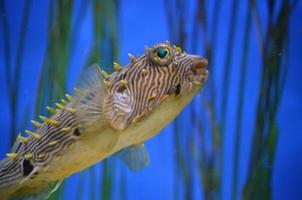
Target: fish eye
{"x": 161, "y": 55}
{"x": 161, "y": 52}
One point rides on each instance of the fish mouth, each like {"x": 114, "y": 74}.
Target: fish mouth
{"x": 196, "y": 77}
{"x": 199, "y": 69}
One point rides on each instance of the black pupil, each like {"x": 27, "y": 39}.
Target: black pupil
{"x": 161, "y": 53}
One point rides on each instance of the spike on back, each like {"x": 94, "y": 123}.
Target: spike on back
{"x": 107, "y": 84}
{"x": 52, "y": 110}
{"x": 104, "y": 74}
{"x": 69, "y": 98}
{"x": 69, "y": 109}
{"x": 12, "y": 155}
{"x": 117, "y": 67}
{"x": 35, "y": 123}
{"x": 60, "y": 106}
{"x": 50, "y": 121}
{"x": 178, "y": 49}
{"x": 32, "y": 134}
{"x": 64, "y": 102}
{"x": 22, "y": 139}
{"x": 132, "y": 58}
{"x": 147, "y": 49}
{"x": 122, "y": 84}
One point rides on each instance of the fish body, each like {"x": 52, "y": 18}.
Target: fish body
{"x": 109, "y": 115}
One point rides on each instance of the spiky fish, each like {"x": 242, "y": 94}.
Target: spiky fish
{"x": 109, "y": 115}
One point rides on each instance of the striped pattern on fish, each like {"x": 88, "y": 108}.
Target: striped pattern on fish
{"x": 108, "y": 114}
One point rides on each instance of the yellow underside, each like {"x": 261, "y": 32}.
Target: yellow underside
{"x": 93, "y": 148}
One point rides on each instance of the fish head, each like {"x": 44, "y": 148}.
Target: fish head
{"x": 164, "y": 71}
{"x": 177, "y": 71}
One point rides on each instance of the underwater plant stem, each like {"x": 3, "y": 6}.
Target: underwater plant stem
{"x": 92, "y": 180}
{"x": 169, "y": 17}
{"x": 209, "y": 163}
{"x": 80, "y": 188}
{"x": 182, "y": 163}
{"x": 17, "y": 68}
{"x": 241, "y": 100}
{"x": 266, "y": 131}
{"x": 105, "y": 48}
{"x": 177, "y": 31}
{"x": 227, "y": 63}
{"x": 6, "y": 46}
{"x": 13, "y": 81}
{"x": 52, "y": 84}
{"x": 107, "y": 180}
{"x": 259, "y": 31}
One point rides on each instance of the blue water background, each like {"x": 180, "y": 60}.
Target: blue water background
{"x": 144, "y": 23}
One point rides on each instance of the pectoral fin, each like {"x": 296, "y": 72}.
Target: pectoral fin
{"x": 89, "y": 99}
{"x": 136, "y": 157}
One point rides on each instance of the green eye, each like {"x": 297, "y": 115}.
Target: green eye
{"x": 162, "y": 52}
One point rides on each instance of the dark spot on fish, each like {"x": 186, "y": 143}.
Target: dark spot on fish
{"x": 177, "y": 89}
{"x": 76, "y": 132}
{"x": 121, "y": 89}
{"x": 27, "y": 167}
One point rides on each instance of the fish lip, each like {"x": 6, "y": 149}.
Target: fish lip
{"x": 201, "y": 63}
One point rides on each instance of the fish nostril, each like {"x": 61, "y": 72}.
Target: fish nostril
{"x": 201, "y": 63}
